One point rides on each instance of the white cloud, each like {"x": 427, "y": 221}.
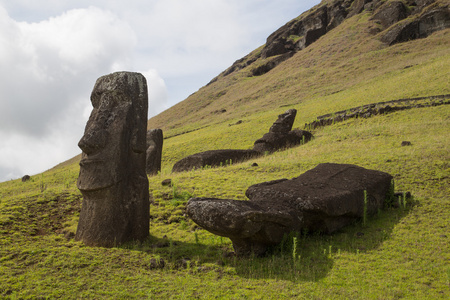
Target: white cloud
{"x": 52, "y": 51}
{"x": 157, "y": 92}
{"x": 48, "y": 71}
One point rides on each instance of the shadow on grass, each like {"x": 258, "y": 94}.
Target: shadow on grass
{"x": 312, "y": 259}
{"x": 315, "y": 253}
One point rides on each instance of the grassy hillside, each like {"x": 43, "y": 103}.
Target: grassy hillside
{"x": 400, "y": 253}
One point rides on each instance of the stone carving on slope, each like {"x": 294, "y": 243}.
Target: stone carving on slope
{"x": 154, "y": 151}
{"x": 323, "y": 199}
{"x": 280, "y": 136}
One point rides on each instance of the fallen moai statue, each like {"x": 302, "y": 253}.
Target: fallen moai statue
{"x": 213, "y": 158}
{"x": 323, "y": 199}
{"x": 280, "y": 136}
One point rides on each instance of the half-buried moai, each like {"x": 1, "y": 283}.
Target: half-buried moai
{"x": 112, "y": 177}
{"x": 154, "y": 151}
{"x": 281, "y": 136}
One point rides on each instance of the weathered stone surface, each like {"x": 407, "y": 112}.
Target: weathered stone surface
{"x": 166, "y": 182}
{"x": 272, "y": 63}
{"x": 284, "y": 122}
{"x": 154, "y": 151}
{"x": 357, "y": 7}
{"x": 323, "y": 199}
{"x": 271, "y": 141}
{"x": 112, "y": 177}
{"x": 280, "y": 135}
{"x": 307, "y": 28}
{"x": 213, "y": 158}
{"x": 433, "y": 18}
{"x": 304, "y": 30}
{"x": 390, "y": 13}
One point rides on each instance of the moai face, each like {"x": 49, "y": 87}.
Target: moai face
{"x": 108, "y": 142}
{"x": 112, "y": 176}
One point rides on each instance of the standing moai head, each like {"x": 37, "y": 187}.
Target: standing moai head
{"x": 154, "y": 151}
{"x": 284, "y": 122}
{"x": 112, "y": 175}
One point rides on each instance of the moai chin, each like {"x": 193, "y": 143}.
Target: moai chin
{"x": 112, "y": 177}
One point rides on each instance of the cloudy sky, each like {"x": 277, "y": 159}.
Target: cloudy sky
{"x": 52, "y": 51}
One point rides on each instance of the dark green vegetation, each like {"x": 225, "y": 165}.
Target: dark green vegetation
{"x": 401, "y": 253}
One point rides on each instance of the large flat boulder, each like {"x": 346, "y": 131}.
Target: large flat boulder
{"x": 324, "y": 199}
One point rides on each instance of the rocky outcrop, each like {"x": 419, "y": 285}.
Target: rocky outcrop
{"x": 433, "y": 18}
{"x": 390, "y": 13}
{"x": 369, "y": 110}
{"x": 112, "y": 177}
{"x": 271, "y": 63}
{"x": 399, "y": 21}
{"x": 323, "y": 199}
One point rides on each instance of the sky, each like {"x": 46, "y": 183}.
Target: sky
{"x": 52, "y": 52}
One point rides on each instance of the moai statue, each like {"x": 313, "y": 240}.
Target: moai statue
{"x": 154, "y": 151}
{"x": 284, "y": 122}
{"x": 112, "y": 177}
{"x": 280, "y": 134}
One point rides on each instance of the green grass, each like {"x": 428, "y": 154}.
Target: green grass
{"x": 399, "y": 253}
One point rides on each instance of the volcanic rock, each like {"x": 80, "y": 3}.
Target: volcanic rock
{"x": 154, "y": 151}
{"x": 213, "y": 158}
{"x": 112, "y": 177}
{"x": 323, "y": 199}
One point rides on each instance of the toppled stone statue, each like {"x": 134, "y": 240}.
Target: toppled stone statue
{"x": 154, "y": 151}
{"x": 213, "y": 158}
{"x": 112, "y": 177}
{"x": 280, "y": 135}
{"x": 323, "y": 199}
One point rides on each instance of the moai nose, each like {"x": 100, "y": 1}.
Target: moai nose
{"x": 93, "y": 141}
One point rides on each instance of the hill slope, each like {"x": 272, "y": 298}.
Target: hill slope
{"x": 400, "y": 253}
{"x": 349, "y": 58}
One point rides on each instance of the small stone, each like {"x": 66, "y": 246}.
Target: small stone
{"x": 406, "y": 143}
{"x": 254, "y": 165}
{"x": 26, "y": 178}
{"x": 166, "y": 182}
{"x": 157, "y": 263}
